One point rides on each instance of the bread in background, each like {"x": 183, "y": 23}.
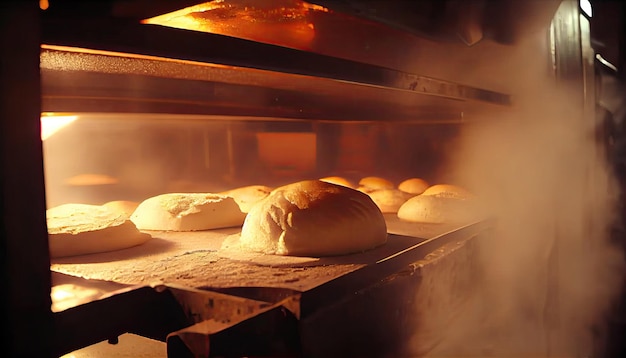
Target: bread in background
{"x": 372, "y": 183}
{"x": 247, "y": 196}
{"x": 448, "y": 190}
{"x": 187, "y": 212}
{"x": 389, "y": 200}
{"x": 413, "y": 186}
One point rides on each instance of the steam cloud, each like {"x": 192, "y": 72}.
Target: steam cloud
{"x": 548, "y": 273}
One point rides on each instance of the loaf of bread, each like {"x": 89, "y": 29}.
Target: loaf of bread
{"x": 314, "y": 218}
{"x": 438, "y": 209}
{"x": 448, "y": 190}
{"x": 247, "y": 196}
{"x": 79, "y": 229}
{"x": 414, "y": 186}
{"x": 187, "y": 212}
{"x": 389, "y": 200}
{"x": 369, "y": 184}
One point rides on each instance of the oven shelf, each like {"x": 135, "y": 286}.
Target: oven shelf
{"x": 316, "y": 293}
{"x": 121, "y": 66}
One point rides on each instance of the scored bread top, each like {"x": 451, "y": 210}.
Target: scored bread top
{"x": 187, "y": 212}
{"x": 75, "y": 218}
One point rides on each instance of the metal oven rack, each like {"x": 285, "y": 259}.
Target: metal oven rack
{"x": 367, "y": 304}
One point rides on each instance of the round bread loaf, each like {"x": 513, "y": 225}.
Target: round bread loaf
{"x": 389, "y": 200}
{"x": 437, "y": 209}
{"x": 375, "y": 183}
{"x": 314, "y": 218}
{"x": 247, "y": 196}
{"x": 414, "y": 186}
{"x": 187, "y": 212}
{"x": 125, "y": 207}
{"x": 339, "y": 181}
{"x": 448, "y": 190}
{"x": 80, "y": 229}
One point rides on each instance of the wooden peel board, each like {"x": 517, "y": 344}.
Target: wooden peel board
{"x": 196, "y": 259}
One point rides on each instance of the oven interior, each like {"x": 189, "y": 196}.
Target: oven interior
{"x": 180, "y": 97}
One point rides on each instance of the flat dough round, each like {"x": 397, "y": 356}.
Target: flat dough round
{"x": 413, "y": 186}
{"x": 339, "y": 181}
{"x": 80, "y": 229}
{"x": 437, "y": 209}
{"x": 187, "y": 212}
{"x": 314, "y": 218}
{"x": 389, "y": 200}
{"x": 376, "y": 183}
{"x": 448, "y": 190}
{"x": 247, "y": 196}
{"x": 125, "y": 207}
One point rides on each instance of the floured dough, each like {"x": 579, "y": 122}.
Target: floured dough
{"x": 369, "y": 184}
{"x": 79, "y": 229}
{"x": 389, "y": 200}
{"x": 247, "y": 196}
{"x": 413, "y": 186}
{"x": 187, "y": 212}
{"x": 438, "y": 209}
{"x": 448, "y": 190}
{"x": 314, "y": 218}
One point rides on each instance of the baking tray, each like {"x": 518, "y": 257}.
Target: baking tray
{"x": 195, "y": 260}
{"x": 193, "y": 264}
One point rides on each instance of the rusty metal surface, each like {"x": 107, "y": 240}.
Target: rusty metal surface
{"x": 271, "y": 331}
{"x": 152, "y": 312}
{"x": 377, "y": 316}
{"x": 403, "y": 315}
{"x": 75, "y": 80}
{"x": 340, "y": 288}
{"x": 147, "y": 311}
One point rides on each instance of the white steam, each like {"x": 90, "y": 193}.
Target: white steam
{"x": 548, "y": 273}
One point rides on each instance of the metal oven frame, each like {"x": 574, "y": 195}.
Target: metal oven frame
{"x": 25, "y": 264}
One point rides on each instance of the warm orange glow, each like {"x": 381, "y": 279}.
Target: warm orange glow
{"x": 288, "y": 152}
{"x": 314, "y": 7}
{"x": 67, "y": 295}
{"x": 283, "y": 22}
{"x": 91, "y": 179}
{"x": 51, "y": 124}
{"x": 179, "y": 18}
{"x": 43, "y": 4}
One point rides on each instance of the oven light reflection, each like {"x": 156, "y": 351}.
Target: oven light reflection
{"x": 605, "y": 62}
{"x": 58, "y": 294}
{"x": 67, "y": 295}
{"x": 51, "y": 124}
{"x": 585, "y": 6}
{"x": 281, "y": 22}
